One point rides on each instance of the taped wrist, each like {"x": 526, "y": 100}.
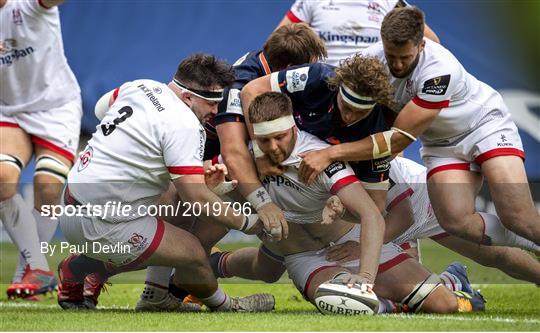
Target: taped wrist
{"x": 259, "y": 198}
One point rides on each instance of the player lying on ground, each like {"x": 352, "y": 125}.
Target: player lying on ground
{"x": 399, "y": 277}
{"x": 409, "y": 217}
{"x": 466, "y": 130}
{"x": 153, "y": 133}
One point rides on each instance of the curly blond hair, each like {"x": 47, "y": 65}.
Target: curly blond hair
{"x": 366, "y": 76}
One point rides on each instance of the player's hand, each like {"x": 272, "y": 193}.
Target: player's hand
{"x": 333, "y": 210}
{"x": 362, "y": 281}
{"x": 313, "y": 163}
{"x": 214, "y": 177}
{"x": 266, "y": 168}
{"x": 345, "y": 252}
{"x": 275, "y": 225}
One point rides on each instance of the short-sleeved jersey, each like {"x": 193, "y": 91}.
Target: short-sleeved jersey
{"x": 408, "y": 180}
{"x": 439, "y": 81}
{"x": 303, "y": 203}
{"x": 34, "y": 73}
{"x": 346, "y": 27}
{"x": 147, "y": 135}
{"x": 316, "y": 112}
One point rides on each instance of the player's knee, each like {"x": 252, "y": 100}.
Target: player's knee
{"x": 11, "y": 167}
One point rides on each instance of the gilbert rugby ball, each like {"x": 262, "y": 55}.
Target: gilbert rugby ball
{"x": 336, "y": 298}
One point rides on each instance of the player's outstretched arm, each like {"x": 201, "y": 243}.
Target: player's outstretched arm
{"x": 411, "y": 122}
{"x": 357, "y": 201}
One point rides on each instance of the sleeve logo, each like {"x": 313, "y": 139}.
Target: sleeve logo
{"x": 334, "y": 168}
{"x": 297, "y": 79}
{"x": 436, "y": 86}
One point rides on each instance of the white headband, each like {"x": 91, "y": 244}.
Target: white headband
{"x": 356, "y": 100}
{"x": 209, "y": 95}
{"x": 272, "y": 126}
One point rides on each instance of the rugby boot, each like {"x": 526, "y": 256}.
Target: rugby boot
{"x": 34, "y": 282}
{"x": 469, "y": 302}
{"x": 460, "y": 271}
{"x": 70, "y": 291}
{"x": 93, "y": 286}
{"x": 155, "y": 299}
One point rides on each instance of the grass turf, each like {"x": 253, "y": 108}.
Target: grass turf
{"x": 511, "y": 306}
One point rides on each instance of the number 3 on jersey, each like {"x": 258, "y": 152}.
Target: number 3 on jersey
{"x": 109, "y": 127}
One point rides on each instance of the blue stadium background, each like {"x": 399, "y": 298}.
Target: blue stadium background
{"x": 110, "y": 42}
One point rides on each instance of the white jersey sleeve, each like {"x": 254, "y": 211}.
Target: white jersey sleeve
{"x": 301, "y": 11}
{"x": 437, "y": 83}
{"x": 400, "y": 188}
{"x": 183, "y": 150}
{"x": 336, "y": 176}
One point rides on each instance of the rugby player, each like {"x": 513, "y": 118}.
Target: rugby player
{"x": 309, "y": 240}
{"x": 410, "y": 216}
{"x": 291, "y": 45}
{"x": 466, "y": 131}
{"x": 346, "y": 27}
{"x": 40, "y": 117}
{"x": 152, "y": 132}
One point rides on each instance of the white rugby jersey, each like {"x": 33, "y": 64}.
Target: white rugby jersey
{"x": 301, "y": 203}
{"x": 346, "y": 27}
{"x": 439, "y": 81}
{"x": 147, "y": 136}
{"x": 34, "y": 73}
{"x": 408, "y": 180}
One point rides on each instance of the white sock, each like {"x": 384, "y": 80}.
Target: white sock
{"x": 158, "y": 276}
{"x": 46, "y": 227}
{"x": 21, "y": 228}
{"x": 451, "y": 281}
{"x": 385, "y": 305}
{"x": 495, "y": 233}
{"x": 218, "y": 301}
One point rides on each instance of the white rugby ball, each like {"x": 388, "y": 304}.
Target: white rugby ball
{"x": 337, "y": 298}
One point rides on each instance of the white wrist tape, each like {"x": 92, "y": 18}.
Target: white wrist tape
{"x": 249, "y": 222}
{"x": 257, "y": 152}
{"x": 224, "y": 188}
{"x": 382, "y": 144}
{"x": 259, "y": 198}
{"x": 407, "y": 134}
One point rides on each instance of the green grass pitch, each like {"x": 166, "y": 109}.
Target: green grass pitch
{"x": 512, "y": 306}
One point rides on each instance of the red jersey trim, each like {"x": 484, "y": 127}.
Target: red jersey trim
{"x": 430, "y": 105}
{"x": 292, "y": 17}
{"x": 342, "y": 183}
{"x": 186, "y": 170}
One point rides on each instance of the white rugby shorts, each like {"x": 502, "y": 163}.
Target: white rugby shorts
{"x": 497, "y": 137}
{"x": 302, "y": 267}
{"x": 56, "y": 129}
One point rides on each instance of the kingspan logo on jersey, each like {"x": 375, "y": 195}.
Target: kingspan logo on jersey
{"x": 153, "y": 99}
{"x": 329, "y": 36}
{"x": 10, "y": 53}
{"x": 280, "y": 181}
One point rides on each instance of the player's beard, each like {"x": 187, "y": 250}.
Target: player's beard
{"x": 410, "y": 69}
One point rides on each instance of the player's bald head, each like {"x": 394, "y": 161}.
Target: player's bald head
{"x": 402, "y": 25}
